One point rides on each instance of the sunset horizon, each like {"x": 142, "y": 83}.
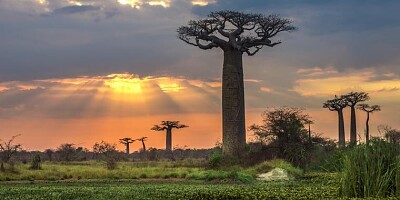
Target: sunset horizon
{"x": 85, "y": 71}
{"x": 199, "y": 99}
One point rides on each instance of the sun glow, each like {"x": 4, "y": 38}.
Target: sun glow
{"x": 170, "y": 87}
{"x": 133, "y": 3}
{"x": 164, "y": 3}
{"x": 76, "y": 3}
{"x": 201, "y": 2}
{"x": 124, "y": 83}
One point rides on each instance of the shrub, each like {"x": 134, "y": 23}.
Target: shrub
{"x": 215, "y": 161}
{"x": 36, "y": 163}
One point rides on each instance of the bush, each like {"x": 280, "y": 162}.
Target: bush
{"x": 215, "y": 161}
{"x": 36, "y": 163}
{"x": 371, "y": 170}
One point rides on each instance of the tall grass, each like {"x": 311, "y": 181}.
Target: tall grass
{"x": 371, "y": 170}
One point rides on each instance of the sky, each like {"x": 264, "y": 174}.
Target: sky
{"x": 83, "y": 71}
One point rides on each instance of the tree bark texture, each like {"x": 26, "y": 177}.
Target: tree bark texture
{"x": 127, "y": 148}
{"x": 342, "y": 138}
{"x": 144, "y": 146}
{"x": 353, "y": 127}
{"x": 169, "y": 140}
{"x": 233, "y": 108}
{"x": 367, "y": 129}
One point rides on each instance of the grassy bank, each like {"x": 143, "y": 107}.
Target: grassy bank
{"x": 189, "y": 169}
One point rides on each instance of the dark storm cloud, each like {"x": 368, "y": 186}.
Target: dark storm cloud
{"x": 74, "y": 10}
{"x": 108, "y": 38}
{"x": 343, "y": 34}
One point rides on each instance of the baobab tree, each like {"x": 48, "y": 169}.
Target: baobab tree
{"x": 352, "y": 99}
{"x": 235, "y": 33}
{"x": 126, "y": 142}
{"x": 338, "y": 104}
{"x": 142, "y": 139}
{"x": 368, "y": 109}
{"x": 168, "y": 126}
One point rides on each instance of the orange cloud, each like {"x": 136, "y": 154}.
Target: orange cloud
{"x": 265, "y": 89}
{"x": 340, "y": 83}
{"x": 118, "y": 95}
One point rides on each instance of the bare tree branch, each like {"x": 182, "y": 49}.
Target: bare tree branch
{"x": 368, "y": 108}
{"x": 8, "y": 149}
{"x": 243, "y": 32}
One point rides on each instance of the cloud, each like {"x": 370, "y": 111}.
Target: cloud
{"x": 334, "y": 39}
{"x": 114, "y": 95}
{"x": 74, "y": 9}
{"x": 338, "y": 34}
{"x": 341, "y": 83}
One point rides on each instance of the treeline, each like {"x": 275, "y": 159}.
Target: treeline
{"x": 68, "y": 152}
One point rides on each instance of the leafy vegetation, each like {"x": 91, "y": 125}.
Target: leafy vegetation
{"x": 135, "y": 189}
{"x": 36, "y": 163}
{"x": 371, "y": 170}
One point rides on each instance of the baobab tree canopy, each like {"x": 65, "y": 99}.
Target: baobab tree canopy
{"x": 235, "y": 33}
{"x": 355, "y": 97}
{"x": 168, "y": 125}
{"x": 369, "y": 108}
{"x": 234, "y": 30}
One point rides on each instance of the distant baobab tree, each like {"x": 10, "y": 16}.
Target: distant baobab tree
{"x": 368, "y": 109}
{"x": 309, "y": 122}
{"x": 352, "y": 99}
{"x": 235, "y": 33}
{"x": 126, "y": 142}
{"x": 168, "y": 126}
{"x": 142, "y": 139}
{"x": 338, "y": 104}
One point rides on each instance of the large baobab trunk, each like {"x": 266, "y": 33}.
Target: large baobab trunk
{"x": 353, "y": 127}
{"x": 169, "y": 140}
{"x": 233, "y": 113}
{"x": 342, "y": 138}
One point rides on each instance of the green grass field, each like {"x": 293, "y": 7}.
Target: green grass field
{"x": 159, "y": 180}
{"x": 185, "y": 169}
{"x": 314, "y": 187}
{"x": 187, "y": 179}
